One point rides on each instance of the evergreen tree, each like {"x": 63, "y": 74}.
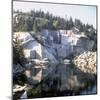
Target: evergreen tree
{"x": 71, "y": 24}
{"x": 18, "y": 56}
{"x": 35, "y": 27}
{"x": 37, "y": 20}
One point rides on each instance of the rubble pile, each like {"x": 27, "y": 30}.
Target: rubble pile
{"x": 86, "y": 62}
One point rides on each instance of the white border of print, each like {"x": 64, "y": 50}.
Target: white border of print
{"x": 6, "y": 49}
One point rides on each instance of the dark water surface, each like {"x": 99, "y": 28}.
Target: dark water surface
{"x": 90, "y": 89}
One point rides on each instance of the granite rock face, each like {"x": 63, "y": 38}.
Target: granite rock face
{"x": 33, "y": 49}
{"x": 55, "y": 44}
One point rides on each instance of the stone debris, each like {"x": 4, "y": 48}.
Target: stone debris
{"x": 86, "y": 62}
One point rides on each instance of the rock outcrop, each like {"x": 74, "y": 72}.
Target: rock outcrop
{"x": 33, "y": 49}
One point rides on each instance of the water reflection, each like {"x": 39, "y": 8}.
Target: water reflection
{"x": 67, "y": 80}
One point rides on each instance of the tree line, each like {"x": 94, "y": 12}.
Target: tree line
{"x": 38, "y": 20}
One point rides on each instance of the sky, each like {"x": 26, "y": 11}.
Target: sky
{"x": 87, "y": 14}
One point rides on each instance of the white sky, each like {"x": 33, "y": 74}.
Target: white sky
{"x": 87, "y": 14}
